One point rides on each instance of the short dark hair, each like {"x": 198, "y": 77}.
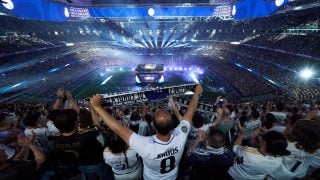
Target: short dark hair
{"x": 52, "y": 114}
{"x": 148, "y": 118}
{"x": 197, "y": 120}
{"x": 270, "y": 119}
{"x": 3, "y": 117}
{"x": 65, "y": 121}
{"x": 294, "y": 118}
{"x": 85, "y": 118}
{"x": 276, "y": 143}
{"x": 307, "y": 135}
{"x": 215, "y": 137}
{"x": 280, "y": 106}
{"x": 126, "y": 111}
{"x": 31, "y": 119}
{"x": 135, "y": 116}
{"x": 255, "y": 114}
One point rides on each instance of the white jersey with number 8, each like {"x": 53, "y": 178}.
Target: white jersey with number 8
{"x": 161, "y": 159}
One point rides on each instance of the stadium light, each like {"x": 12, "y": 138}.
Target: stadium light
{"x": 306, "y": 73}
{"x": 151, "y": 12}
{"x": 279, "y": 2}
{"x": 138, "y": 80}
{"x": 8, "y": 4}
{"x": 235, "y": 42}
{"x": 194, "y": 78}
{"x": 234, "y": 10}
{"x": 106, "y": 80}
{"x": 189, "y": 93}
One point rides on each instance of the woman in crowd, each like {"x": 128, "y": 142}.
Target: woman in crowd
{"x": 303, "y": 150}
{"x": 125, "y": 163}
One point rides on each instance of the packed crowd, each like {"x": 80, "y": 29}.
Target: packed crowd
{"x": 245, "y": 82}
{"x": 159, "y": 141}
{"x": 279, "y": 68}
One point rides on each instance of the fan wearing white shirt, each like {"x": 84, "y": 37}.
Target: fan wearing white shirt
{"x": 305, "y": 137}
{"x": 252, "y": 124}
{"x": 43, "y": 134}
{"x": 137, "y": 124}
{"x": 257, "y": 163}
{"x": 125, "y": 163}
{"x": 162, "y": 152}
{"x": 280, "y": 114}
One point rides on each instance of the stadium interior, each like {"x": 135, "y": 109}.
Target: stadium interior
{"x": 249, "y": 54}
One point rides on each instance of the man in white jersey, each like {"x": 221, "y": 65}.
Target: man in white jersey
{"x": 43, "y": 133}
{"x": 162, "y": 152}
{"x": 250, "y": 125}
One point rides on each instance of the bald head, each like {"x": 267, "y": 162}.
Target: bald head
{"x": 162, "y": 122}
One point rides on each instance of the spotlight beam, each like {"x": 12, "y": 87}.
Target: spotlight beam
{"x": 106, "y": 80}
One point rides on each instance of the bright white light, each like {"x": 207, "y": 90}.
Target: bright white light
{"x": 234, "y": 10}
{"x": 189, "y": 93}
{"x": 121, "y": 69}
{"x": 161, "y": 80}
{"x": 101, "y": 74}
{"x": 190, "y": 69}
{"x": 194, "y": 78}
{"x": 200, "y": 72}
{"x": 8, "y": 4}
{"x": 235, "y": 43}
{"x": 69, "y": 44}
{"x": 306, "y": 73}
{"x": 151, "y": 12}
{"x": 180, "y": 68}
{"x": 66, "y": 12}
{"x": 279, "y": 2}
{"x": 298, "y": 8}
{"x": 170, "y": 69}
{"x": 106, "y": 80}
{"x": 138, "y": 80}
{"x": 16, "y": 85}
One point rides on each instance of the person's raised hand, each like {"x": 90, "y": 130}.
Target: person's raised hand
{"x": 96, "y": 101}
{"x": 219, "y": 112}
{"x": 171, "y": 101}
{"x": 198, "y": 89}
{"x": 68, "y": 95}
{"x": 60, "y": 93}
